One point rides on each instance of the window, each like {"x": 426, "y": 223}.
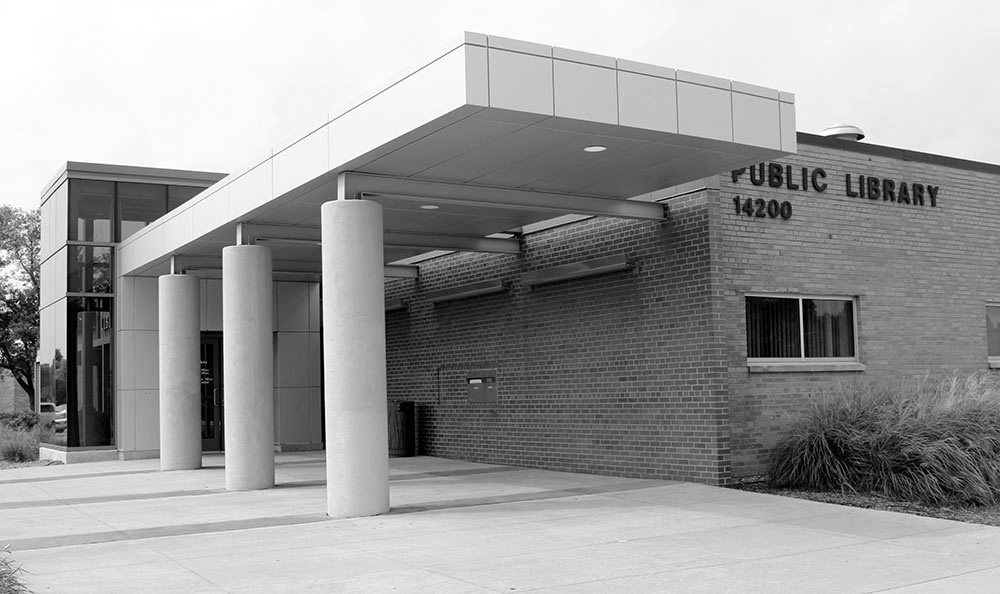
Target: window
{"x": 90, "y": 210}
{"x": 800, "y": 329}
{"x": 53, "y": 365}
{"x": 140, "y": 205}
{"x": 993, "y": 334}
{"x": 89, "y": 269}
{"x": 177, "y": 195}
{"x": 88, "y": 373}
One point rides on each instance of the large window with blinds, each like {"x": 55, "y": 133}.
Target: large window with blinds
{"x": 785, "y": 328}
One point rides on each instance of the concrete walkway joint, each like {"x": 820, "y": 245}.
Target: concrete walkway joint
{"x": 464, "y": 527}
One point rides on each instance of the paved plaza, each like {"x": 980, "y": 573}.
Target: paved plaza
{"x": 464, "y": 527}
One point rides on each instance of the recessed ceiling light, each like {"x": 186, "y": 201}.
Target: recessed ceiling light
{"x": 429, "y": 206}
{"x": 595, "y": 148}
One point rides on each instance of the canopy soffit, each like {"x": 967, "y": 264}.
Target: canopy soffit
{"x": 490, "y": 137}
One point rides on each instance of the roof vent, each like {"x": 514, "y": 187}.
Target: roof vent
{"x": 844, "y": 132}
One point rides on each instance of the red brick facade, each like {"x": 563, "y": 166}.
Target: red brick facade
{"x": 921, "y": 276}
{"x": 644, "y": 373}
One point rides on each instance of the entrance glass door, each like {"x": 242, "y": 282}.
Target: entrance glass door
{"x": 211, "y": 392}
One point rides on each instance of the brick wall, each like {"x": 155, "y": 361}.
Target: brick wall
{"x": 646, "y": 374}
{"x": 619, "y": 374}
{"x": 921, "y": 276}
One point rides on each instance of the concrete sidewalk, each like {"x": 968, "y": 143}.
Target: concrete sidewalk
{"x": 465, "y": 527}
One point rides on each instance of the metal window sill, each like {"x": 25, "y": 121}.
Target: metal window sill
{"x": 796, "y": 367}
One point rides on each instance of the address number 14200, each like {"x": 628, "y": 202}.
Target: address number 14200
{"x": 763, "y": 208}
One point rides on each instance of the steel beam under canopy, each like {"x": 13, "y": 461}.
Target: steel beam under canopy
{"x": 363, "y": 185}
{"x": 291, "y": 234}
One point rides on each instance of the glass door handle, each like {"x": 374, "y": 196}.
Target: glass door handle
{"x": 215, "y": 396}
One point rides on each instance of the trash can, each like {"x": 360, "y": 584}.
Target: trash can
{"x": 402, "y": 434}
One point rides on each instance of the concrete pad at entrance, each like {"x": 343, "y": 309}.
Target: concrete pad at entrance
{"x": 464, "y": 527}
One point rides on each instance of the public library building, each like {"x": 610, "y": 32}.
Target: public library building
{"x": 564, "y": 260}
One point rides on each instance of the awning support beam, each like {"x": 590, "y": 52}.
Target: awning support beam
{"x": 300, "y": 235}
{"x": 214, "y": 265}
{"x": 363, "y": 185}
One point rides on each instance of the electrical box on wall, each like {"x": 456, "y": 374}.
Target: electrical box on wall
{"x": 482, "y": 385}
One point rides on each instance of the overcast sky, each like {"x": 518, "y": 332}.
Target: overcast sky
{"x": 212, "y": 85}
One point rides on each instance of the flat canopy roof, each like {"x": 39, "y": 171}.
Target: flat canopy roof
{"x": 492, "y": 136}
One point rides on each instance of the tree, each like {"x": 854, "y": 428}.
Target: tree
{"x": 19, "y": 284}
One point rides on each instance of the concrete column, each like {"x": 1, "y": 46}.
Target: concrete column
{"x": 357, "y": 449}
{"x": 180, "y": 372}
{"x": 248, "y": 367}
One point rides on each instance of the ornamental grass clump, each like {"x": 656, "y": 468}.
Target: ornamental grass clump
{"x": 10, "y": 574}
{"x": 18, "y": 446}
{"x": 933, "y": 442}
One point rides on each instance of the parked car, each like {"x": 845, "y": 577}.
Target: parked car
{"x": 52, "y": 415}
{"x": 46, "y": 413}
{"x": 59, "y": 420}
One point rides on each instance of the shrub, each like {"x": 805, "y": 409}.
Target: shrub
{"x": 10, "y": 575}
{"x": 22, "y": 420}
{"x": 18, "y": 446}
{"x": 933, "y": 442}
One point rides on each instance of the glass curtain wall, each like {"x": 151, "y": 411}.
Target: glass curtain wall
{"x": 52, "y": 370}
{"x": 76, "y": 354}
{"x": 139, "y": 205}
{"x": 89, "y": 373}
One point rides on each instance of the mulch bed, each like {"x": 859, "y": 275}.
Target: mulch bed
{"x": 974, "y": 515}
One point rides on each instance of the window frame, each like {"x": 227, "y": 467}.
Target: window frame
{"x": 992, "y": 361}
{"x": 802, "y": 362}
